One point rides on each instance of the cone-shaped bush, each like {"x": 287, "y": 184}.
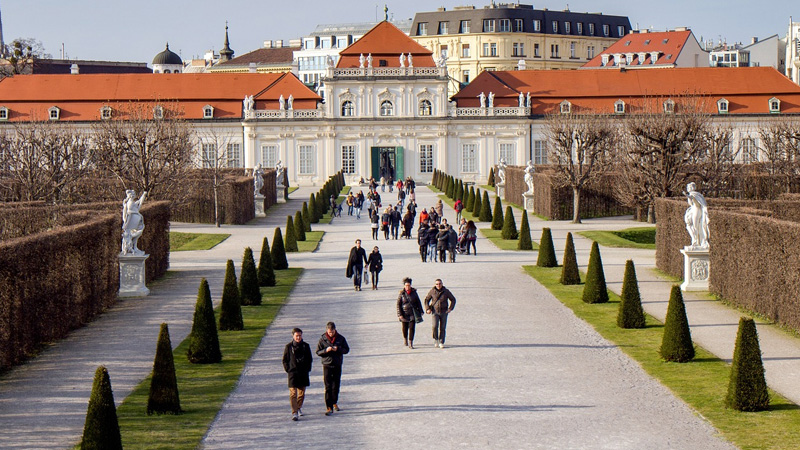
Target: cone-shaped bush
{"x": 248, "y": 281}
{"x": 676, "y": 344}
{"x": 547, "y": 252}
{"x": 163, "y": 398}
{"x": 312, "y": 209}
{"x": 306, "y": 217}
{"x": 101, "y": 429}
{"x": 459, "y": 191}
{"x": 630, "y": 314}
{"x": 321, "y": 207}
{"x": 203, "y": 339}
{"x": 569, "y": 271}
{"x": 497, "y": 216}
{"x": 266, "y": 271}
{"x": 279, "y": 261}
{"x": 486, "y": 209}
{"x": 510, "y": 225}
{"x": 470, "y": 202}
{"x": 230, "y": 311}
{"x": 299, "y": 226}
{"x": 524, "y": 234}
{"x": 290, "y": 244}
{"x": 451, "y": 187}
{"x": 476, "y": 205}
{"x": 491, "y": 181}
{"x": 747, "y": 389}
{"x": 595, "y": 289}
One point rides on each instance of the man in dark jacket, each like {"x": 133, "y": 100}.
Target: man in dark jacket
{"x": 422, "y": 240}
{"x": 332, "y": 347}
{"x": 439, "y": 302}
{"x": 355, "y": 264}
{"x": 452, "y": 242}
{"x": 395, "y": 221}
{"x": 297, "y": 361}
{"x": 442, "y": 243}
{"x": 432, "y": 241}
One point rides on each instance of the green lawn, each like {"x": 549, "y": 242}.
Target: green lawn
{"x": 495, "y": 236}
{"x": 312, "y": 241}
{"x": 637, "y": 237}
{"x": 179, "y": 242}
{"x": 701, "y": 383}
{"x": 202, "y": 387}
{"x": 326, "y": 218}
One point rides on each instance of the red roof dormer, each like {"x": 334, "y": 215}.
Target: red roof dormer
{"x": 385, "y": 42}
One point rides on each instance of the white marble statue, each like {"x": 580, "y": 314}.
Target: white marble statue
{"x": 696, "y": 217}
{"x": 529, "y": 170}
{"x": 280, "y": 174}
{"x": 248, "y": 103}
{"x": 329, "y": 61}
{"x": 521, "y": 100}
{"x": 291, "y": 101}
{"x": 402, "y": 60}
{"x": 361, "y": 61}
{"x": 258, "y": 179}
{"x": 501, "y": 170}
{"x": 132, "y": 223}
{"x": 528, "y": 100}
{"x": 410, "y": 60}
{"x": 482, "y": 98}
{"x": 491, "y": 99}
{"x": 369, "y": 60}
{"x": 282, "y": 102}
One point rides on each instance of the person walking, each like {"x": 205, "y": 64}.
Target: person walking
{"x": 359, "y": 204}
{"x": 442, "y": 240}
{"x": 458, "y": 206}
{"x": 422, "y": 240}
{"x": 472, "y": 236}
{"x": 423, "y": 216}
{"x": 297, "y": 361}
{"x": 374, "y": 219}
{"x": 375, "y": 265}
{"x": 355, "y": 264}
{"x": 432, "y": 241}
{"x": 409, "y": 311}
{"x": 351, "y": 203}
{"x": 439, "y": 208}
{"x": 408, "y": 224}
{"x": 331, "y": 348}
{"x": 439, "y": 302}
{"x": 386, "y": 220}
{"x": 395, "y": 222}
{"x": 452, "y": 242}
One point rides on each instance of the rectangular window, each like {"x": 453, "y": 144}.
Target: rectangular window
{"x": 349, "y": 159}
{"x": 606, "y": 30}
{"x": 465, "y": 26}
{"x": 620, "y": 31}
{"x": 505, "y": 26}
{"x": 489, "y": 49}
{"x": 465, "y": 50}
{"x": 466, "y": 76}
{"x": 469, "y": 158}
{"x": 234, "y": 155}
{"x": 590, "y": 52}
{"x": 749, "y": 151}
{"x": 518, "y": 49}
{"x": 4, "y": 114}
{"x": 422, "y": 29}
{"x": 443, "y": 28}
{"x": 537, "y": 25}
{"x": 426, "y": 158}
{"x": 555, "y": 26}
{"x": 518, "y": 24}
{"x": 579, "y": 27}
{"x": 305, "y": 159}
{"x": 341, "y": 42}
{"x": 554, "y": 51}
{"x": 536, "y": 53}
{"x": 591, "y": 29}
{"x": 269, "y": 155}
{"x": 509, "y": 153}
{"x": 209, "y": 155}
{"x": 488, "y": 25}
{"x": 540, "y": 152}
{"x": 572, "y": 50}
{"x": 568, "y": 27}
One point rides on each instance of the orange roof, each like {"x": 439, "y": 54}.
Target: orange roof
{"x": 385, "y": 41}
{"x": 748, "y": 89}
{"x": 668, "y": 44}
{"x": 80, "y": 97}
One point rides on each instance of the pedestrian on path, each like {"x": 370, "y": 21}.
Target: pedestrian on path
{"x": 395, "y": 222}
{"x": 374, "y": 218}
{"x": 422, "y": 240}
{"x": 439, "y": 302}
{"x": 432, "y": 241}
{"x": 442, "y": 242}
{"x": 458, "y": 207}
{"x": 452, "y": 243}
{"x": 409, "y": 311}
{"x": 386, "y": 220}
{"x": 408, "y": 224}
{"x": 375, "y": 265}
{"x": 472, "y": 236}
{"x": 355, "y": 264}
{"x": 332, "y": 347}
{"x": 297, "y": 361}
{"x": 439, "y": 208}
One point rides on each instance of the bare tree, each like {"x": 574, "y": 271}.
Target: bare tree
{"x": 780, "y": 144}
{"x": 147, "y": 146}
{"x": 21, "y": 55}
{"x": 716, "y": 162}
{"x": 578, "y": 147}
{"x": 218, "y": 151}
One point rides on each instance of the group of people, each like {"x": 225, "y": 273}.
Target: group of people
{"x": 438, "y": 303}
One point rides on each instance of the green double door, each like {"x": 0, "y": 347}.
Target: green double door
{"x": 388, "y": 162}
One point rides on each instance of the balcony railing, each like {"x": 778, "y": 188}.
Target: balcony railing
{"x": 284, "y": 114}
{"x": 387, "y": 72}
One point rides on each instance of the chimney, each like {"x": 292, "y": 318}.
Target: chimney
{"x": 267, "y": 44}
{"x": 252, "y": 68}
{"x": 74, "y": 69}
{"x": 279, "y": 43}
{"x": 754, "y": 40}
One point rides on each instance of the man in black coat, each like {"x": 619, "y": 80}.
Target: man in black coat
{"x": 297, "y": 361}
{"x": 422, "y": 240}
{"x": 395, "y": 221}
{"x": 452, "y": 242}
{"x": 332, "y": 347}
{"x": 442, "y": 243}
{"x": 439, "y": 302}
{"x": 355, "y": 264}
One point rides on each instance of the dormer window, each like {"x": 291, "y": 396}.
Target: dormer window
{"x": 158, "y": 112}
{"x": 565, "y": 107}
{"x": 642, "y": 57}
{"x": 722, "y": 106}
{"x": 105, "y": 112}
{"x": 619, "y": 107}
{"x": 3, "y": 113}
{"x": 774, "y": 105}
{"x": 605, "y": 59}
{"x": 54, "y": 113}
{"x": 629, "y": 58}
{"x": 653, "y": 57}
{"x": 208, "y": 112}
{"x": 669, "y": 106}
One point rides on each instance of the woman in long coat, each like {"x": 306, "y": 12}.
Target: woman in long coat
{"x": 409, "y": 311}
{"x": 375, "y": 265}
{"x": 355, "y": 264}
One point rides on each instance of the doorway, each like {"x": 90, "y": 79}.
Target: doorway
{"x": 387, "y": 162}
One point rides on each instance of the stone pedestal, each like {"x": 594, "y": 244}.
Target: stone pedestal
{"x": 696, "y": 269}
{"x": 500, "y": 190}
{"x": 259, "y": 204}
{"x": 132, "y": 276}
{"x": 527, "y": 202}
{"x": 282, "y": 192}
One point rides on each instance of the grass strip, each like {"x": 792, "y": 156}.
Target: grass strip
{"x": 311, "y": 244}
{"x": 326, "y": 218}
{"x": 181, "y": 242}
{"x": 638, "y": 237}
{"x": 702, "y": 383}
{"x": 496, "y": 237}
{"x": 203, "y": 387}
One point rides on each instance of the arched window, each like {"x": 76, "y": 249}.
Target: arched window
{"x": 166, "y": 70}
{"x": 774, "y": 105}
{"x": 619, "y": 107}
{"x": 425, "y": 108}
{"x": 387, "y": 109}
{"x": 669, "y": 106}
{"x": 347, "y": 109}
{"x": 566, "y": 107}
{"x": 158, "y": 112}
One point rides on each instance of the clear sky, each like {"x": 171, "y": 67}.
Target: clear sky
{"x": 137, "y": 30}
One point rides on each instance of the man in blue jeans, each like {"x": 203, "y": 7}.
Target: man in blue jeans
{"x": 439, "y": 302}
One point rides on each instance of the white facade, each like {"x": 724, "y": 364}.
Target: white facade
{"x": 793, "y": 52}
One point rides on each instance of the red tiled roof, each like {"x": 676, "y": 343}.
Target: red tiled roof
{"x": 80, "y": 97}
{"x": 280, "y": 55}
{"x": 667, "y": 43}
{"x": 385, "y": 41}
{"x": 748, "y": 89}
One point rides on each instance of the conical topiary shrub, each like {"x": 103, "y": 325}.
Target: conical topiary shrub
{"x": 470, "y": 199}
{"x": 486, "y": 209}
{"x": 203, "y": 339}
{"x": 248, "y": 281}
{"x": 299, "y": 226}
{"x": 630, "y": 314}
{"x": 524, "y": 242}
{"x": 497, "y": 216}
{"x": 476, "y": 205}
{"x": 451, "y": 187}
{"x": 547, "y": 252}
{"x": 491, "y": 181}
{"x": 676, "y": 344}
{"x": 306, "y": 217}
{"x": 510, "y": 225}
{"x": 312, "y": 209}
{"x": 595, "y": 289}
{"x": 459, "y": 191}
{"x": 747, "y": 389}
{"x": 101, "y": 429}
{"x": 230, "y": 311}
{"x": 279, "y": 261}
{"x": 290, "y": 244}
{"x": 569, "y": 271}
{"x": 266, "y": 271}
{"x": 163, "y": 398}
{"x": 322, "y": 207}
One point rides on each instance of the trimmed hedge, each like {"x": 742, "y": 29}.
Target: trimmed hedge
{"x": 497, "y": 215}
{"x": 547, "y": 252}
{"x": 230, "y": 310}
{"x": 595, "y": 291}
{"x": 101, "y": 428}
{"x": 163, "y": 397}
{"x": 525, "y": 242}
{"x": 510, "y": 225}
{"x": 747, "y": 390}
{"x": 249, "y": 291}
{"x": 676, "y": 344}
{"x": 203, "y": 339}
{"x": 569, "y": 270}
{"x": 630, "y": 313}
{"x": 235, "y": 194}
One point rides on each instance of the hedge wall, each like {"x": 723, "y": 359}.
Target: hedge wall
{"x": 58, "y": 279}
{"x": 236, "y": 200}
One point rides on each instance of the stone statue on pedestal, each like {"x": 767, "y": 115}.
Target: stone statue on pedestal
{"x": 696, "y": 217}
{"x": 482, "y": 98}
{"x": 410, "y": 61}
{"x": 491, "y": 99}
{"x": 258, "y": 179}
{"x": 281, "y": 102}
{"x": 291, "y": 101}
{"x": 361, "y": 61}
{"x": 280, "y": 174}
{"x": 529, "y": 170}
{"x": 369, "y": 60}
{"x": 501, "y": 170}
{"x": 402, "y": 60}
{"x": 132, "y": 223}
{"x": 521, "y": 100}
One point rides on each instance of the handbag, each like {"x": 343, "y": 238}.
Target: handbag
{"x": 366, "y": 276}
{"x": 417, "y": 316}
